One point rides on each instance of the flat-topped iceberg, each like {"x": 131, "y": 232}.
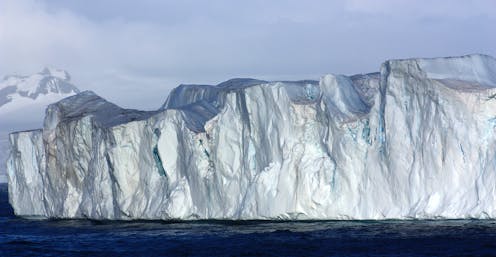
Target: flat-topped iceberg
{"x": 417, "y": 140}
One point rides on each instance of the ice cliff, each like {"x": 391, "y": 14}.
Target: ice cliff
{"x": 417, "y": 140}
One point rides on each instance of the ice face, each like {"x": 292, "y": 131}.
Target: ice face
{"x": 415, "y": 141}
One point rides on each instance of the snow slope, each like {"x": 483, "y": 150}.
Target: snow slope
{"x": 23, "y": 100}
{"x": 416, "y": 140}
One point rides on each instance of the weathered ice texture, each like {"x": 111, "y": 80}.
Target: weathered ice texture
{"x": 417, "y": 140}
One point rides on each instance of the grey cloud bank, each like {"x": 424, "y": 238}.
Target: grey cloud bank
{"x": 129, "y": 52}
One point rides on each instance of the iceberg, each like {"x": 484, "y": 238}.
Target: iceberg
{"x": 416, "y": 140}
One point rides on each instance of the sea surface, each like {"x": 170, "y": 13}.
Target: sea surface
{"x": 22, "y": 237}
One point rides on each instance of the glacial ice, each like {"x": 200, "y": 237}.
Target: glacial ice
{"x": 417, "y": 140}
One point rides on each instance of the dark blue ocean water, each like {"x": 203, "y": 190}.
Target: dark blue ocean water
{"x": 21, "y": 237}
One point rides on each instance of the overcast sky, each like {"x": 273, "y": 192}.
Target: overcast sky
{"x": 134, "y": 52}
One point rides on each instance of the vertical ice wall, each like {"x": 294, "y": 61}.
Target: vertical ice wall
{"x": 416, "y": 140}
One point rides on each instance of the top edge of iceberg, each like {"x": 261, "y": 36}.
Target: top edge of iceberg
{"x": 106, "y": 114}
{"x": 199, "y": 103}
{"x": 473, "y": 71}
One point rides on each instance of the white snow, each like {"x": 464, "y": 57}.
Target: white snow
{"x": 29, "y": 85}
{"x": 397, "y": 145}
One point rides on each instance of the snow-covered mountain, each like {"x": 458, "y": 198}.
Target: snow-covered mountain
{"x": 417, "y": 140}
{"x": 20, "y": 92}
{"x": 23, "y": 100}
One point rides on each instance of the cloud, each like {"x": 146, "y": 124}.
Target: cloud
{"x": 420, "y": 9}
{"x": 134, "y": 53}
{"x": 95, "y": 53}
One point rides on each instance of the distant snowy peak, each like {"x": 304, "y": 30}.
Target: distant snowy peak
{"x": 58, "y": 73}
{"x": 49, "y": 81}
